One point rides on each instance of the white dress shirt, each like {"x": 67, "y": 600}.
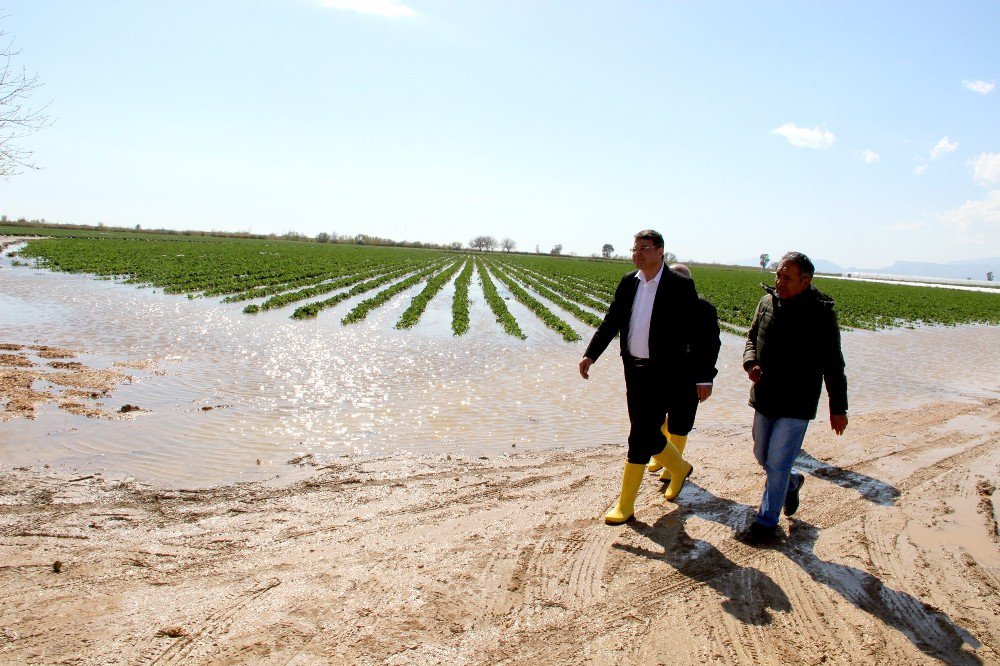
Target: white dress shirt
{"x": 642, "y": 311}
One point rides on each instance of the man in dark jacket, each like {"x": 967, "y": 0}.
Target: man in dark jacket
{"x": 793, "y": 346}
{"x": 706, "y": 346}
{"x": 651, "y": 311}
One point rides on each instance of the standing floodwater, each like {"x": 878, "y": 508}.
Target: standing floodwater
{"x": 221, "y": 390}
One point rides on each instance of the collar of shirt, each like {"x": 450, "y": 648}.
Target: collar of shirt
{"x": 639, "y": 275}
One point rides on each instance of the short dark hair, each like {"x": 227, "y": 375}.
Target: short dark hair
{"x": 648, "y": 234}
{"x": 805, "y": 265}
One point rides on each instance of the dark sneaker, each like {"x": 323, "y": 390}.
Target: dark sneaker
{"x": 792, "y": 496}
{"x": 758, "y": 535}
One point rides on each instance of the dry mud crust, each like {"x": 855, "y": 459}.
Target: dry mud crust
{"x": 71, "y": 385}
{"x": 891, "y": 559}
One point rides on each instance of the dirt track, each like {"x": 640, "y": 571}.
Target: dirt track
{"x": 893, "y": 559}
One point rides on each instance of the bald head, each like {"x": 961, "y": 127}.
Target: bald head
{"x": 682, "y": 269}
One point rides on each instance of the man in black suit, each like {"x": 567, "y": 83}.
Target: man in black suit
{"x": 652, "y": 311}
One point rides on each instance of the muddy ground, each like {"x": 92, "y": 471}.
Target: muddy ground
{"x": 893, "y": 558}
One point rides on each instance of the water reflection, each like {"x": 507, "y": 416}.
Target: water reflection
{"x": 278, "y": 388}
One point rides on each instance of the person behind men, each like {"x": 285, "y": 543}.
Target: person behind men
{"x": 793, "y": 346}
{"x": 651, "y": 312}
{"x": 706, "y": 345}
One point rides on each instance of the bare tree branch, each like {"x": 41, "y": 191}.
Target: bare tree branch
{"x": 17, "y": 119}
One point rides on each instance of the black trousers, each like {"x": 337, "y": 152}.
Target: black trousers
{"x": 651, "y": 401}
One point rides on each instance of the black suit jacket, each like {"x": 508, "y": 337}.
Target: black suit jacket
{"x": 677, "y": 340}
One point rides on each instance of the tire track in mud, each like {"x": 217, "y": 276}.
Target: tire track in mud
{"x": 215, "y": 625}
{"x": 537, "y": 576}
{"x": 731, "y": 639}
{"x": 949, "y": 464}
{"x": 589, "y": 556}
{"x": 832, "y": 508}
{"x": 892, "y": 558}
{"x": 813, "y": 616}
{"x": 985, "y": 590}
{"x": 912, "y": 432}
{"x": 539, "y": 599}
{"x": 882, "y": 588}
{"x": 923, "y": 626}
{"x": 627, "y": 600}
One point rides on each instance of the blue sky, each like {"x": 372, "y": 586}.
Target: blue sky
{"x": 860, "y": 133}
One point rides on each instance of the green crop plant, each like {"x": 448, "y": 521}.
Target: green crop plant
{"x": 541, "y": 311}
{"x": 499, "y": 308}
{"x": 411, "y": 315}
{"x": 460, "y": 301}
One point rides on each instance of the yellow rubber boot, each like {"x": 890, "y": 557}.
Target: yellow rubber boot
{"x": 654, "y": 466}
{"x": 678, "y": 441}
{"x": 679, "y": 469}
{"x": 624, "y": 508}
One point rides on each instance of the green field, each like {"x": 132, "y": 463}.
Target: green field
{"x": 568, "y": 294}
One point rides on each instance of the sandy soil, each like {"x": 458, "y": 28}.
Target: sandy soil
{"x": 893, "y": 558}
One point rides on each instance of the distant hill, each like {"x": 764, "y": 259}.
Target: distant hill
{"x": 968, "y": 269}
{"x": 975, "y": 269}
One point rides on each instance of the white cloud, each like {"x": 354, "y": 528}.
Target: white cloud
{"x": 979, "y": 86}
{"x": 986, "y": 169}
{"x": 920, "y": 169}
{"x": 388, "y": 8}
{"x": 942, "y": 148}
{"x": 979, "y": 219}
{"x": 870, "y": 156}
{"x": 803, "y": 137}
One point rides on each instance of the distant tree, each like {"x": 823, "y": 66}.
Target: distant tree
{"x": 322, "y": 237}
{"x": 508, "y": 245}
{"x": 456, "y": 245}
{"x": 606, "y": 250}
{"x": 764, "y": 258}
{"x": 16, "y": 119}
{"x": 556, "y": 250}
{"x": 478, "y": 243}
{"x": 537, "y": 249}
{"x": 669, "y": 258}
{"x": 489, "y": 243}
{"x": 989, "y": 276}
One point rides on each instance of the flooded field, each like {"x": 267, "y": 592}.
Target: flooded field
{"x": 227, "y": 396}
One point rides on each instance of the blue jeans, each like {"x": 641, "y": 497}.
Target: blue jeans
{"x": 776, "y": 445}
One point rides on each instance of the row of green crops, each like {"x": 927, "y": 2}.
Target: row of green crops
{"x": 276, "y": 273}
{"x": 283, "y": 299}
{"x": 411, "y": 315}
{"x": 566, "y": 286}
{"x": 536, "y": 306}
{"x": 310, "y": 310}
{"x": 361, "y": 310}
{"x": 499, "y": 308}
{"x": 460, "y": 301}
{"x": 536, "y": 285}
